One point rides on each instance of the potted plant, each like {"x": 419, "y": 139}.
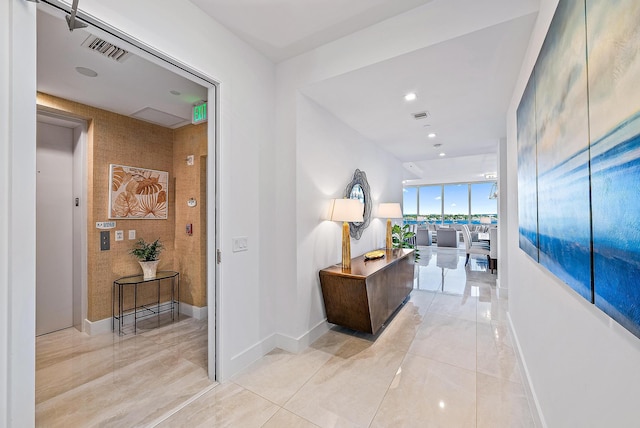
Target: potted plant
{"x": 147, "y": 254}
{"x": 403, "y": 238}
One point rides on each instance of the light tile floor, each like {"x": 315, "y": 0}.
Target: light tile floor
{"x": 444, "y": 360}
{"x": 118, "y": 381}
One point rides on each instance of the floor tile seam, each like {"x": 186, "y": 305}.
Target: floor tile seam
{"x": 165, "y": 416}
{"x": 250, "y": 390}
{"x": 290, "y": 411}
{"x": 480, "y": 371}
{"x": 384, "y": 396}
{"x": 443, "y": 362}
{"x": 283, "y": 405}
{"x": 450, "y": 316}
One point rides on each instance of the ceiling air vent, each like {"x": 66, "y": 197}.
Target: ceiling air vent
{"x": 105, "y": 48}
{"x": 420, "y": 115}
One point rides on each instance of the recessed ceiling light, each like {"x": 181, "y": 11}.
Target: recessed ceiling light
{"x": 432, "y": 135}
{"x": 86, "y": 71}
{"x": 442, "y": 154}
{"x": 174, "y": 92}
{"x": 410, "y": 96}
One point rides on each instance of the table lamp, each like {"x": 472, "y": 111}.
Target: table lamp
{"x": 389, "y": 210}
{"x": 346, "y": 210}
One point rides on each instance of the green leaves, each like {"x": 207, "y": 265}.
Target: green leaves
{"x": 402, "y": 238}
{"x": 145, "y": 251}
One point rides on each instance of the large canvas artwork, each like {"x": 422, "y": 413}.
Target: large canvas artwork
{"x": 137, "y": 193}
{"x": 562, "y": 124}
{"x": 587, "y": 121}
{"x": 527, "y": 178}
{"x": 613, "y": 34}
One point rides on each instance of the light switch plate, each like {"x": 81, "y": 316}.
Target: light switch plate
{"x": 240, "y": 243}
{"x": 119, "y": 235}
{"x": 132, "y": 234}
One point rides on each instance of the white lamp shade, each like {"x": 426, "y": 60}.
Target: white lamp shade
{"x": 350, "y": 210}
{"x": 485, "y": 220}
{"x": 389, "y": 210}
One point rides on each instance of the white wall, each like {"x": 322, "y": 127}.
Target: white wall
{"x": 17, "y": 212}
{"x": 327, "y": 154}
{"x": 583, "y": 366}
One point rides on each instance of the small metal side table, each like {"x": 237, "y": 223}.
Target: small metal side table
{"x": 144, "y": 310}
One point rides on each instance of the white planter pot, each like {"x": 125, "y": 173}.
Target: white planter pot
{"x": 149, "y": 269}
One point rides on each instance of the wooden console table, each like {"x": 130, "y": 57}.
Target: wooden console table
{"x": 362, "y": 298}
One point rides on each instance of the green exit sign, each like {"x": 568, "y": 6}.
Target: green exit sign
{"x": 199, "y": 113}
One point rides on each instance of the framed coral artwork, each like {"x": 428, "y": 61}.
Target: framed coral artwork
{"x": 137, "y": 193}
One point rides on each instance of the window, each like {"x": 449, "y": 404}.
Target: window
{"x": 431, "y": 203}
{"x": 450, "y": 203}
{"x": 456, "y": 203}
{"x": 481, "y": 205}
{"x": 410, "y": 203}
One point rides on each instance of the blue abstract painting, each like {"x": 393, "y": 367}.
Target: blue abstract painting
{"x": 527, "y": 177}
{"x": 562, "y": 124}
{"x": 613, "y": 40}
{"x": 586, "y": 151}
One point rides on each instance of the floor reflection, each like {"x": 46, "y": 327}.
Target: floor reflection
{"x": 443, "y": 269}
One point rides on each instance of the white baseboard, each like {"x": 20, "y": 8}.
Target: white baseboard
{"x": 243, "y": 359}
{"x": 297, "y": 345}
{"x": 536, "y": 410}
{"x": 197, "y": 312}
{"x": 104, "y": 325}
{"x": 501, "y": 292}
{"x": 97, "y": 327}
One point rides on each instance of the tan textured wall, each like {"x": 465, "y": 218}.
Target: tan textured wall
{"x": 121, "y": 140}
{"x": 190, "y": 182}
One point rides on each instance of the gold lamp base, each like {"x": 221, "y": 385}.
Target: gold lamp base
{"x": 346, "y": 246}
{"x": 389, "y": 239}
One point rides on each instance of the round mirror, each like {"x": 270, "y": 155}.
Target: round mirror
{"x": 359, "y": 189}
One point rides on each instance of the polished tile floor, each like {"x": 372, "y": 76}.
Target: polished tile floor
{"x": 444, "y": 360}
{"x": 119, "y": 381}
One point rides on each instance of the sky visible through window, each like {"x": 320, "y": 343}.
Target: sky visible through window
{"x": 427, "y": 202}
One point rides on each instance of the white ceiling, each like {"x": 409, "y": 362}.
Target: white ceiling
{"x": 125, "y": 88}
{"x": 465, "y": 83}
{"x": 282, "y": 29}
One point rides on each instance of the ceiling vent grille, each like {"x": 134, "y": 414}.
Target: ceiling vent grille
{"x": 105, "y": 48}
{"x": 420, "y": 115}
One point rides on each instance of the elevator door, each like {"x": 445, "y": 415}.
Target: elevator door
{"x": 54, "y": 228}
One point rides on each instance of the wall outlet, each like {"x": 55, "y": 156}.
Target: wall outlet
{"x": 119, "y": 235}
{"x": 132, "y": 234}
{"x": 240, "y": 243}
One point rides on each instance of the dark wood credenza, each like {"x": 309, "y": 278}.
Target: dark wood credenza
{"x": 362, "y": 298}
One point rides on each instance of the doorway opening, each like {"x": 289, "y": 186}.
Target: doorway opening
{"x": 195, "y": 159}
{"x": 61, "y": 238}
